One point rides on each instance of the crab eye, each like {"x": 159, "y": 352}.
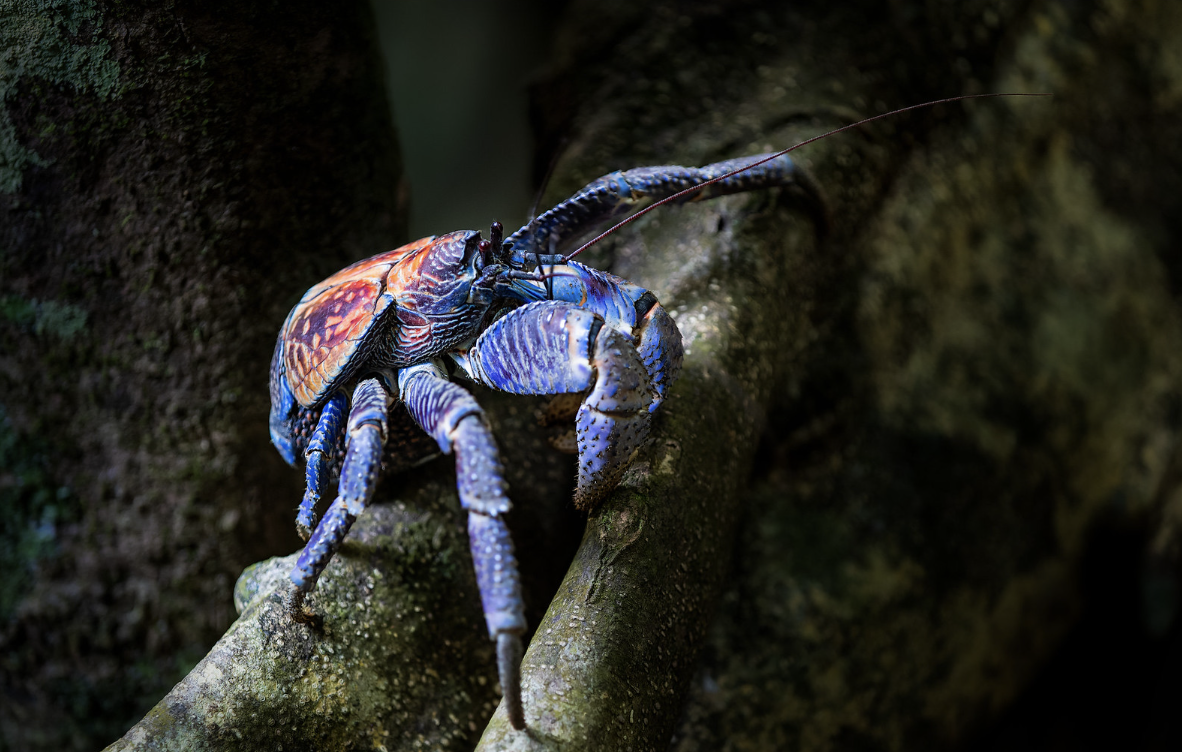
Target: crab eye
{"x": 486, "y": 250}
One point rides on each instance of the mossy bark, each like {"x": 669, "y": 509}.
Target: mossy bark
{"x": 398, "y": 621}
{"x": 172, "y": 175}
{"x": 909, "y": 426}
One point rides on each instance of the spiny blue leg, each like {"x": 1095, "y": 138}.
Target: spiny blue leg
{"x": 500, "y": 595}
{"x": 554, "y": 347}
{"x": 620, "y": 193}
{"x": 780, "y": 171}
{"x": 318, "y": 458}
{"x": 453, "y": 418}
{"x": 359, "y": 475}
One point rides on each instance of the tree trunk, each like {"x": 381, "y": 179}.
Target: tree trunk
{"x": 172, "y": 176}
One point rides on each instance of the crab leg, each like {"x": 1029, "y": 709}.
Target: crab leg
{"x": 554, "y": 347}
{"x": 454, "y": 419}
{"x": 363, "y": 458}
{"x": 317, "y": 459}
{"x": 620, "y": 193}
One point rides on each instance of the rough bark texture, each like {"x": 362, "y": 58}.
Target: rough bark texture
{"x": 399, "y": 622}
{"x": 172, "y": 175}
{"x": 940, "y": 401}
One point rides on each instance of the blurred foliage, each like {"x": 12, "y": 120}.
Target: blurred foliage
{"x": 33, "y": 507}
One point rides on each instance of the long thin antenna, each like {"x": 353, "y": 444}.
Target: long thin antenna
{"x": 732, "y": 173}
{"x": 533, "y": 208}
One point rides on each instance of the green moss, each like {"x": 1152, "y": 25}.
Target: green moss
{"x": 61, "y": 320}
{"x": 33, "y": 508}
{"x": 17, "y": 310}
{"x": 56, "y": 42}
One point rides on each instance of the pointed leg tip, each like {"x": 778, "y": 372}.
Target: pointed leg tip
{"x": 299, "y": 612}
{"x": 509, "y": 654}
{"x": 517, "y": 720}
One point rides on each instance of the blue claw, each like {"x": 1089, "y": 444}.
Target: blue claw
{"x": 555, "y": 347}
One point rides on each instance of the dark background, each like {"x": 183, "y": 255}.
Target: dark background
{"x": 136, "y": 484}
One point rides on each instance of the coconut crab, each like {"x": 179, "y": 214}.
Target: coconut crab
{"x": 508, "y": 313}
{"x": 512, "y": 314}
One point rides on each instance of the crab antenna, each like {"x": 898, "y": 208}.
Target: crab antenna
{"x": 533, "y": 209}
{"x": 782, "y": 152}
